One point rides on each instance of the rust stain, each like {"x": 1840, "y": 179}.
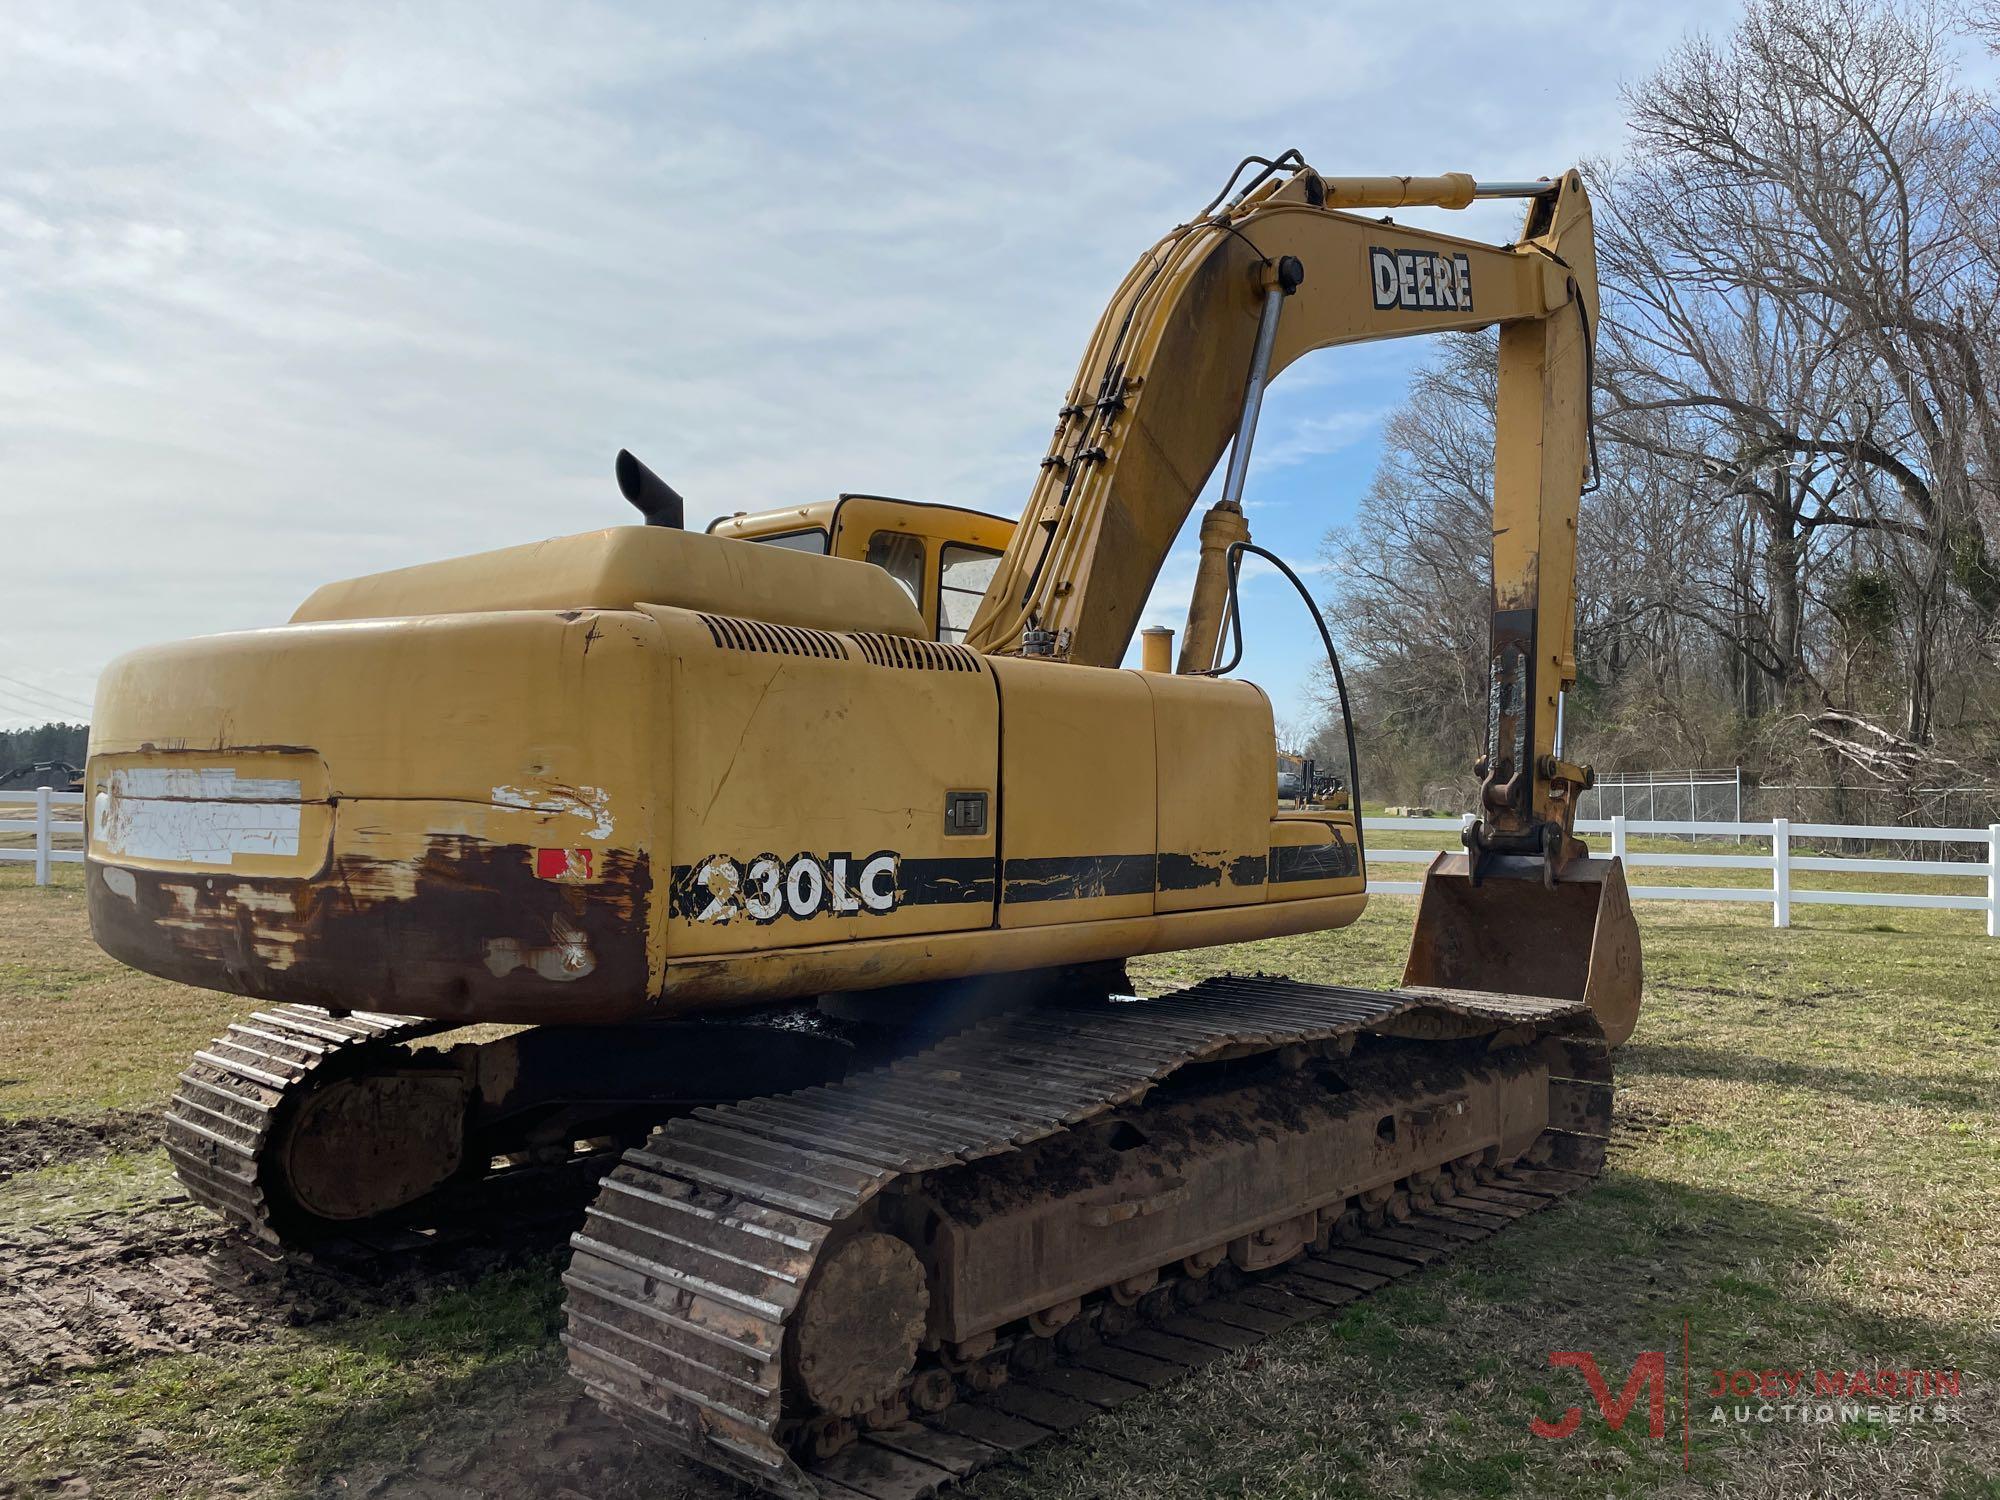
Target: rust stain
{"x": 463, "y": 930}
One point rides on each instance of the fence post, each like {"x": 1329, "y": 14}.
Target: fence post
{"x": 1618, "y": 836}
{"x": 42, "y": 835}
{"x": 1993, "y": 880}
{"x": 1781, "y": 872}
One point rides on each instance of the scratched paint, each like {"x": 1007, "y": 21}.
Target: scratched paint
{"x": 588, "y": 802}
{"x": 454, "y": 928}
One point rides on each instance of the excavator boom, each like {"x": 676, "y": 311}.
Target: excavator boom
{"x": 1173, "y": 375}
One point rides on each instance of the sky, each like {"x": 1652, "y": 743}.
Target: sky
{"x": 289, "y": 294}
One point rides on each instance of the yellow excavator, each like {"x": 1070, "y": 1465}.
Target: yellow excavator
{"x": 801, "y": 859}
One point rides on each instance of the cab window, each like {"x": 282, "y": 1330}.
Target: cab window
{"x": 813, "y": 539}
{"x": 963, "y": 575}
{"x": 901, "y": 556}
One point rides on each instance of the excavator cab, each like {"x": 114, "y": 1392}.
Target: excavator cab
{"x": 942, "y": 555}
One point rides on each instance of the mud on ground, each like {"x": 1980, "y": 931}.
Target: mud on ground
{"x": 30, "y": 1145}
{"x": 1761, "y": 1184}
{"x": 551, "y": 1443}
{"x": 85, "y": 1290}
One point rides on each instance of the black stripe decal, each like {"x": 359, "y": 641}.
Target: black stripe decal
{"x": 1183, "y": 872}
{"x": 1081, "y": 877}
{"x": 1078, "y": 877}
{"x": 1335, "y": 861}
{"x": 1197, "y": 872}
{"x": 946, "y": 882}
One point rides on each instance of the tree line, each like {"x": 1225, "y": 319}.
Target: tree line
{"x": 52, "y": 741}
{"x": 1791, "y": 557}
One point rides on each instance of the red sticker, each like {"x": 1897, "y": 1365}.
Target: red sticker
{"x": 563, "y": 864}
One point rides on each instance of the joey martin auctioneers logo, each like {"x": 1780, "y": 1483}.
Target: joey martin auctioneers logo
{"x": 1871, "y": 1392}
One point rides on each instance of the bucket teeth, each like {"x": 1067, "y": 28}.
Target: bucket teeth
{"x": 693, "y": 1269}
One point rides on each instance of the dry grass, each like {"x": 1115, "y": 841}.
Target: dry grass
{"x": 80, "y": 1032}
{"x": 1816, "y": 1186}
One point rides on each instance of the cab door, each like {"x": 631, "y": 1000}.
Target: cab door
{"x": 943, "y": 556}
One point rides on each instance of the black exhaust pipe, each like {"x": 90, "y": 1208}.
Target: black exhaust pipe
{"x": 659, "y": 502}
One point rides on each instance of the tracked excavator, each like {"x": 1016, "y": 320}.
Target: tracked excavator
{"x": 800, "y": 860}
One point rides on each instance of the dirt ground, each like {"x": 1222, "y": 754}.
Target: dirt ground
{"x": 1806, "y": 1172}
{"x": 31, "y": 1145}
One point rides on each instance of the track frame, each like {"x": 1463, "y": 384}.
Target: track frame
{"x": 700, "y": 1250}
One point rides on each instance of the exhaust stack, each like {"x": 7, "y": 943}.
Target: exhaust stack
{"x": 659, "y": 502}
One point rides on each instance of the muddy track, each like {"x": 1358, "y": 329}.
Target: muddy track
{"x": 30, "y": 1145}
{"x": 691, "y": 1287}
{"x": 1100, "y": 1371}
{"x": 549, "y": 1441}
{"x": 1635, "y": 1125}
{"x": 557, "y": 1442}
{"x": 86, "y": 1290}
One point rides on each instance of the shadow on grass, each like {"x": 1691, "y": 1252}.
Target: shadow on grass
{"x": 1616, "y": 1271}
{"x": 1463, "y": 1353}
{"x": 489, "y": 1410}
{"x": 1873, "y": 1086}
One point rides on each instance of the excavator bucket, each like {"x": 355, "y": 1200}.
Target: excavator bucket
{"x": 1514, "y": 933}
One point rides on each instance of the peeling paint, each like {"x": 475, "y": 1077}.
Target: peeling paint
{"x": 588, "y": 802}
{"x": 255, "y": 899}
{"x": 566, "y": 958}
{"x": 202, "y": 815}
{"x": 406, "y": 925}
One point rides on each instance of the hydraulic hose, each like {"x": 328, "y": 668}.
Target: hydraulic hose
{"x": 1235, "y": 626}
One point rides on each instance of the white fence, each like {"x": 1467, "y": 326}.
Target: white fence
{"x": 1781, "y": 862}
{"x": 44, "y": 826}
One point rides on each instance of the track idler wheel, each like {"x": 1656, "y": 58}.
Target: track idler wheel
{"x": 362, "y": 1146}
{"x": 855, "y": 1339}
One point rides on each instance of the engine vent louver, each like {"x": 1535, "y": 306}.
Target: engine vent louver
{"x": 775, "y": 640}
{"x": 914, "y": 655}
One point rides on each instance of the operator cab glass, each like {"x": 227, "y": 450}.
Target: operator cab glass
{"x": 944, "y": 556}
{"x": 963, "y": 576}
{"x": 812, "y": 539}
{"x": 900, "y": 554}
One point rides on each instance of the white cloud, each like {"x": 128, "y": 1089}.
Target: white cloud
{"x": 293, "y": 292}
{"x": 1314, "y": 437}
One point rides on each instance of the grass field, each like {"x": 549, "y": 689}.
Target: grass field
{"x": 1807, "y": 1175}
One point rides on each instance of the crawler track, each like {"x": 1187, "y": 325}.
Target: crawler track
{"x": 691, "y": 1267}
{"x": 233, "y": 1125}
{"x": 235, "y": 1091}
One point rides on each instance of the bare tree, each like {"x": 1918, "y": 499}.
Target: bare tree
{"x": 1790, "y": 257}
{"x": 1790, "y": 553}
{"x": 1413, "y": 571}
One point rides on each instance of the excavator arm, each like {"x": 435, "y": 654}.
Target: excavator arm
{"x": 638, "y": 778}
{"x": 1161, "y": 393}
{"x": 1174, "y": 375}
